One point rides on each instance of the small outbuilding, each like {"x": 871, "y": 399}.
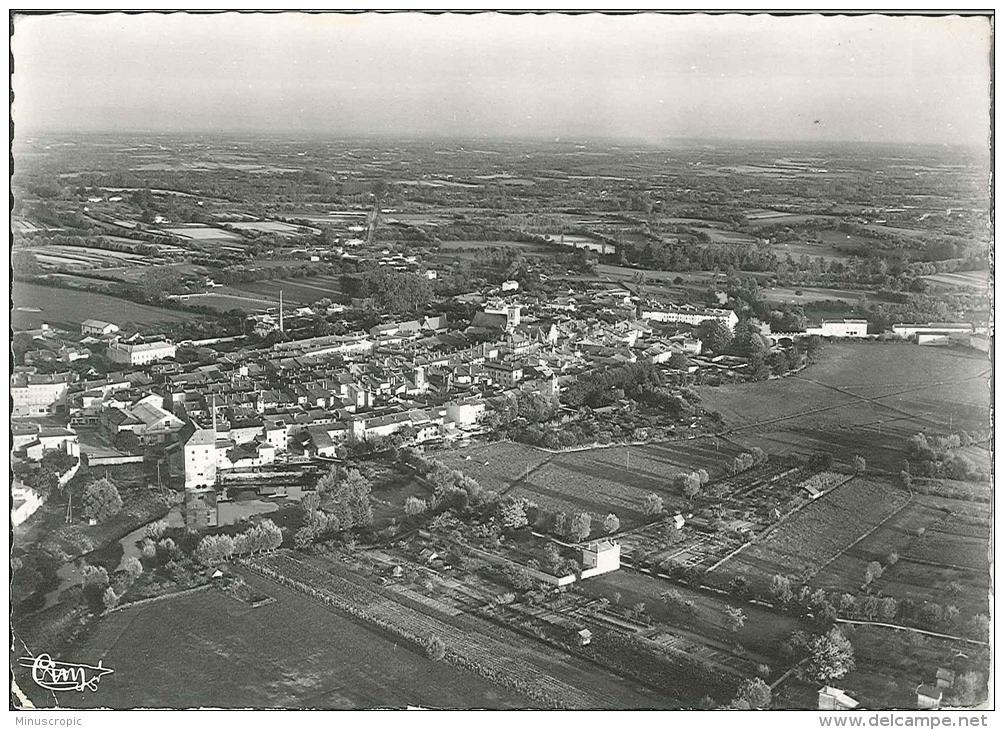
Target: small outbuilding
{"x": 929, "y": 697}
{"x": 831, "y": 698}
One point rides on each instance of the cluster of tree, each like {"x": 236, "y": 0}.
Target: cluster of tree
{"x": 553, "y": 562}
{"x": 689, "y": 483}
{"x": 787, "y": 318}
{"x": 43, "y": 478}
{"x": 602, "y": 387}
{"x": 934, "y": 457}
{"x": 746, "y": 460}
{"x": 511, "y": 513}
{"x": 393, "y": 291}
{"x": 826, "y": 607}
{"x": 215, "y": 549}
{"x": 342, "y": 502}
{"x": 452, "y": 489}
{"x": 244, "y": 273}
{"x": 684, "y": 254}
{"x": 714, "y": 335}
{"x": 592, "y": 428}
{"x": 827, "y": 656}
{"x": 518, "y": 410}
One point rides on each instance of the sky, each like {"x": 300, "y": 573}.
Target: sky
{"x": 644, "y": 77}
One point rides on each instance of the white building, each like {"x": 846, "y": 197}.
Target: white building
{"x": 98, "y": 328}
{"x": 512, "y": 313}
{"x": 200, "y": 459}
{"x": 465, "y": 412}
{"x": 831, "y": 698}
{"x": 840, "y": 328}
{"x": 693, "y": 315}
{"x": 908, "y": 330}
{"x": 34, "y": 440}
{"x": 600, "y": 556}
{"x": 142, "y": 353}
{"x": 24, "y": 503}
{"x": 209, "y": 451}
{"x": 35, "y": 394}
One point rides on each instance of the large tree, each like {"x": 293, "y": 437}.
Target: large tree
{"x": 611, "y": 523}
{"x": 512, "y": 513}
{"x": 101, "y": 500}
{"x": 831, "y": 656}
{"x": 753, "y": 694}
{"x": 652, "y": 504}
{"x": 580, "y": 526}
{"x": 714, "y": 335}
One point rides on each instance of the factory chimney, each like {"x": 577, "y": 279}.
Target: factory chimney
{"x": 280, "y": 312}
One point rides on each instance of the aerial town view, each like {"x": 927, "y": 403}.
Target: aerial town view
{"x": 308, "y": 414}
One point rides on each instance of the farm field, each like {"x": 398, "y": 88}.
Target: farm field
{"x": 304, "y": 290}
{"x": 293, "y": 653}
{"x": 598, "y": 480}
{"x": 267, "y": 227}
{"x": 721, "y": 235}
{"x": 978, "y": 280}
{"x": 84, "y": 257}
{"x": 889, "y": 664}
{"x": 785, "y": 218}
{"x": 847, "y": 241}
{"x": 606, "y": 480}
{"x": 567, "y": 680}
{"x": 859, "y": 399}
{"x": 825, "y": 251}
{"x": 68, "y": 308}
{"x": 882, "y": 228}
{"x": 811, "y": 538}
{"x": 942, "y": 546}
{"x": 202, "y": 233}
{"x": 224, "y": 302}
{"x": 788, "y": 295}
{"x": 494, "y": 465}
{"x": 764, "y": 632}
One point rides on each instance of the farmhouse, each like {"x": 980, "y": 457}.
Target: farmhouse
{"x": 97, "y": 328}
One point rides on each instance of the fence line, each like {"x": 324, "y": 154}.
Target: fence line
{"x": 154, "y": 599}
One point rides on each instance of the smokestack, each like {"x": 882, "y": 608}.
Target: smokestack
{"x": 214, "y": 413}
{"x": 280, "y": 312}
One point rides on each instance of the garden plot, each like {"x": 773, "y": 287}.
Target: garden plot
{"x": 820, "y": 533}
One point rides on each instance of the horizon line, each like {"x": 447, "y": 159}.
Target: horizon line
{"x": 573, "y": 138}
